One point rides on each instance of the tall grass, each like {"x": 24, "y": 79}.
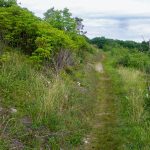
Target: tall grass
{"x": 135, "y": 85}
{"x": 21, "y": 86}
{"x": 59, "y": 108}
{"x": 136, "y": 127}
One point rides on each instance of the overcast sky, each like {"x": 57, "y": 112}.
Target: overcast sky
{"x": 118, "y": 19}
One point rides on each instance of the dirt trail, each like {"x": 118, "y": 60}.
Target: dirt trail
{"x": 99, "y": 67}
{"x": 104, "y": 134}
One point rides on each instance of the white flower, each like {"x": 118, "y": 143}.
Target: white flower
{"x": 79, "y": 84}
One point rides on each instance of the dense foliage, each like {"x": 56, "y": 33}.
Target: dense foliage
{"x": 50, "y": 89}
{"x": 7, "y": 3}
{"x": 42, "y": 39}
{"x": 102, "y": 42}
{"x": 18, "y": 28}
{"x": 126, "y": 53}
{"x": 40, "y": 68}
{"x": 61, "y": 19}
{"x": 130, "y": 58}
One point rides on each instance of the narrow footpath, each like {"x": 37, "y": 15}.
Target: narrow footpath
{"x": 104, "y": 135}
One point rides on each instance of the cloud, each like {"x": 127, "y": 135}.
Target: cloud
{"x": 122, "y": 26}
{"x": 117, "y": 17}
{"x": 128, "y": 20}
{"x": 125, "y": 28}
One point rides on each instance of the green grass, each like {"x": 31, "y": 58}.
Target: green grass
{"x": 105, "y": 133}
{"x": 132, "y": 100}
{"x": 57, "y": 110}
{"x": 136, "y": 118}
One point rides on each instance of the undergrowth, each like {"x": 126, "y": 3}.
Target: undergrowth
{"x": 132, "y": 89}
{"x": 136, "y": 116}
{"x": 44, "y": 111}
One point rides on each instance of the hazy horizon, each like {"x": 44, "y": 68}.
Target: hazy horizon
{"x": 125, "y": 20}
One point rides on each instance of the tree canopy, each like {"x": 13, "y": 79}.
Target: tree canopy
{"x": 7, "y": 3}
{"x": 61, "y": 19}
{"x": 103, "y": 42}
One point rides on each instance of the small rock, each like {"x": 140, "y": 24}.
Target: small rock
{"x": 48, "y": 82}
{"x": 26, "y": 121}
{"x": 83, "y": 90}
{"x": 99, "y": 68}
{"x": 16, "y": 145}
{"x": 13, "y": 110}
{"x": 86, "y": 140}
{"x": 66, "y": 97}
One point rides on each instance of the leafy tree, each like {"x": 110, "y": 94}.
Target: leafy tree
{"x": 144, "y": 46}
{"x": 99, "y": 41}
{"x": 7, "y": 3}
{"x": 61, "y": 19}
{"x": 103, "y": 42}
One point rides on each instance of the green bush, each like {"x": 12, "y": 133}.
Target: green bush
{"x": 22, "y": 30}
{"x": 130, "y": 58}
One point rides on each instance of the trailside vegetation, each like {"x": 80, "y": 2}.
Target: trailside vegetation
{"x": 130, "y": 74}
{"x": 126, "y": 53}
{"x": 46, "y": 85}
{"x": 49, "y": 89}
{"x": 43, "y": 40}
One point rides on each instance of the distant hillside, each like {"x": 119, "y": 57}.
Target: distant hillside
{"x": 101, "y": 42}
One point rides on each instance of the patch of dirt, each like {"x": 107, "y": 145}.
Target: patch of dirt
{"x": 99, "y": 67}
{"x": 16, "y": 145}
